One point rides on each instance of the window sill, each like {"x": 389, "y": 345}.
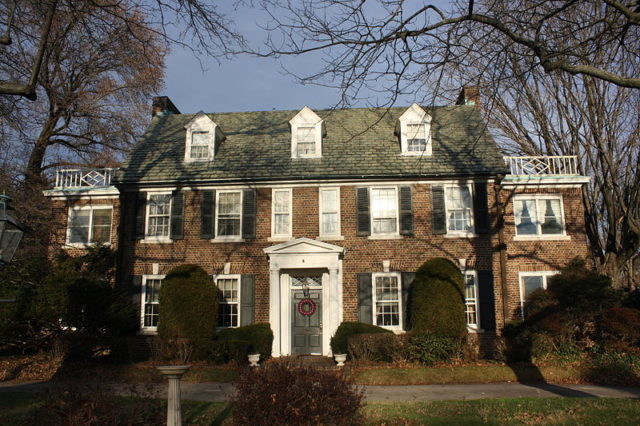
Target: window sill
{"x": 330, "y": 238}
{"x": 426, "y": 153}
{"x": 84, "y": 245}
{"x": 542, "y": 238}
{"x": 385, "y": 237}
{"x": 156, "y": 241}
{"x": 279, "y": 239}
{"x": 460, "y": 235}
{"x": 227, "y": 240}
{"x": 198, "y": 160}
{"x": 148, "y": 332}
{"x": 475, "y": 330}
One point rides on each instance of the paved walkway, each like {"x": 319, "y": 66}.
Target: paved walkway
{"x": 221, "y": 391}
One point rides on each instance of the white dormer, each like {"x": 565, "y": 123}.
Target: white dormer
{"x": 306, "y": 134}
{"x": 200, "y": 138}
{"x": 415, "y": 131}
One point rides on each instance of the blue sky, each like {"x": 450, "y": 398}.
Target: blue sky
{"x": 245, "y": 83}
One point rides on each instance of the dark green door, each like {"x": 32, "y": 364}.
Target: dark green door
{"x": 306, "y": 327}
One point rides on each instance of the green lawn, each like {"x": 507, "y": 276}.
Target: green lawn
{"x": 22, "y": 408}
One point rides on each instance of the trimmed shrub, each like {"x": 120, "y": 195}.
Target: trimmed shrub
{"x": 340, "y": 340}
{"x": 222, "y": 351}
{"x": 382, "y": 347}
{"x": 429, "y": 349}
{"x": 437, "y": 300}
{"x": 282, "y": 391}
{"x": 259, "y": 336}
{"x": 189, "y": 304}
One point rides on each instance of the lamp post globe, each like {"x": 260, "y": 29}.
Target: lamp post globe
{"x": 10, "y": 231}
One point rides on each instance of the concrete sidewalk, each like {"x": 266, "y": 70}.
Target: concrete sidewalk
{"x": 222, "y": 391}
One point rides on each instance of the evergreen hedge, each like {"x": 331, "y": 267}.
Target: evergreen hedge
{"x": 437, "y": 300}
{"x": 259, "y": 337}
{"x": 340, "y": 340}
{"x": 188, "y": 304}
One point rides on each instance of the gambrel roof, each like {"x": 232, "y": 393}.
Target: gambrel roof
{"x": 360, "y": 143}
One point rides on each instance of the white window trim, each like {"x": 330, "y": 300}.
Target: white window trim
{"x": 227, "y": 238}
{"x": 405, "y": 138}
{"x": 539, "y": 236}
{"x": 281, "y": 237}
{"x": 473, "y": 328}
{"x": 386, "y": 235}
{"x": 91, "y": 208}
{"x": 396, "y": 328}
{"x": 306, "y": 118}
{"x": 156, "y": 239}
{"x": 459, "y": 234}
{"x": 197, "y": 125}
{"x": 545, "y": 280}
{"x": 143, "y": 329}
{"x": 233, "y": 277}
{"x": 337, "y": 235}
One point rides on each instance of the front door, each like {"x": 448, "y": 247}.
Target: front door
{"x": 306, "y": 327}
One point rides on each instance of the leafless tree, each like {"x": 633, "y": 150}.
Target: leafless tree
{"x": 194, "y": 24}
{"x": 389, "y": 44}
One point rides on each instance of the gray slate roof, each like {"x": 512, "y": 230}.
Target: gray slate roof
{"x": 359, "y": 144}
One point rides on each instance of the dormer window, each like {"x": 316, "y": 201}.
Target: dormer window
{"x": 306, "y": 134}
{"x": 201, "y": 137}
{"x": 415, "y": 131}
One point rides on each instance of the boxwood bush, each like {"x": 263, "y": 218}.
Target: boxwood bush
{"x": 259, "y": 336}
{"x": 188, "y": 304}
{"x": 437, "y": 300}
{"x": 340, "y": 340}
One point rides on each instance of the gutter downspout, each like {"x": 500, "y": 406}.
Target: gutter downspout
{"x": 502, "y": 247}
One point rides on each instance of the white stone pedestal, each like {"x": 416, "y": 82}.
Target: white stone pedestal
{"x": 173, "y": 373}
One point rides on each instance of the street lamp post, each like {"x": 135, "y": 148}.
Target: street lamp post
{"x": 10, "y": 232}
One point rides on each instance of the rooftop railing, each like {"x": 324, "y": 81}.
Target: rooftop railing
{"x": 84, "y": 178}
{"x": 543, "y": 165}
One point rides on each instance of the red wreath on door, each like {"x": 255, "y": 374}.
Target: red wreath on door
{"x": 306, "y": 307}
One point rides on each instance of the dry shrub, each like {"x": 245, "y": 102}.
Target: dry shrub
{"x": 287, "y": 393}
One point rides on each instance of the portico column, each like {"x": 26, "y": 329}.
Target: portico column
{"x": 274, "y": 310}
{"x": 333, "y": 279}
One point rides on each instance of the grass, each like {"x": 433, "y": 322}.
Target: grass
{"x": 486, "y": 373}
{"x": 569, "y": 411}
{"x": 21, "y": 408}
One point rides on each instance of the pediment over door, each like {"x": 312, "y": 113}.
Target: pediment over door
{"x": 304, "y": 253}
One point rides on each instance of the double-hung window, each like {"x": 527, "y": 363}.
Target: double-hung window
{"x": 159, "y": 215}
{"x": 229, "y": 294}
{"x": 387, "y": 300}
{"x": 384, "y": 211}
{"x": 150, "y": 302}
{"x": 416, "y": 138}
{"x": 229, "y": 214}
{"x": 459, "y": 209}
{"x": 330, "y": 212}
{"x": 199, "y": 148}
{"x": 281, "y": 217}
{"x": 471, "y": 299}
{"x": 89, "y": 225}
{"x": 306, "y": 138}
{"x": 532, "y": 281}
{"x": 538, "y": 215}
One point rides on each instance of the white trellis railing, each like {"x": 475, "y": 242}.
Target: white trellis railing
{"x": 543, "y": 165}
{"x": 81, "y": 178}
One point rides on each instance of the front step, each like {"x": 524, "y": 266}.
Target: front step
{"x": 316, "y": 361}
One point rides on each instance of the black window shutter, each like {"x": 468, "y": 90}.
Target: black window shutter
{"x": 140, "y": 206}
{"x": 481, "y": 207}
{"x": 249, "y": 213}
{"x": 407, "y": 281}
{"x": 365, "y": 299}
{"x": 487, "y": 305}
{"x": 438, "y": 211}
{"x": 177, "y": 215}
{"x": 207, "y": 211}
{"x": 406, "y": 211}
{"x": 363, "y": 218}
{"x": 135, "y": 291}
{"x": 247, "y": 299}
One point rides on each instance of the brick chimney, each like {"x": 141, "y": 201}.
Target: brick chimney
{"x": 162, "y": 105}
{"x": 469, "y": 95}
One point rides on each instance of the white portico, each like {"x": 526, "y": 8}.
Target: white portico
{"x": 314, "y": 268}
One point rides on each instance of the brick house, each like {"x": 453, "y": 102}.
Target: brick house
{"x": 309, "y": 218}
